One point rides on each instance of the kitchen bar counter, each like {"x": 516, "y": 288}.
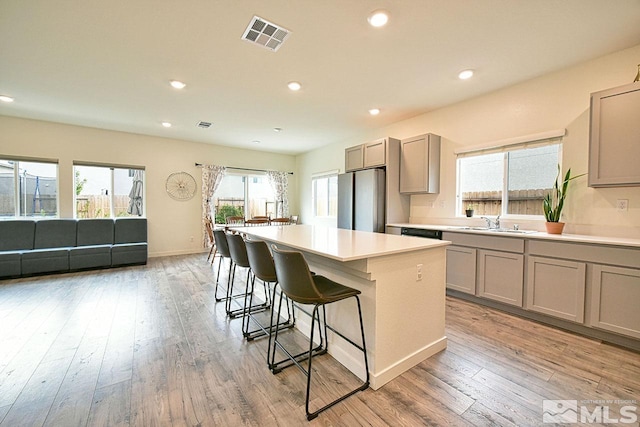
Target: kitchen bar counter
{"x": 575, "y": 238}
{"x": 403, "y": 314}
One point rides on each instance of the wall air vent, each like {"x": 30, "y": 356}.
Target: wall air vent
{"x": 265, "y": 34}
{"x": 204, "y": 125}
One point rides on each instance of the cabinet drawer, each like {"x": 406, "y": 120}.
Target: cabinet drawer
{"x": 615, "y": 299}
{"x": 556, "y": 288}
{"x": 485, "y": 241}
{"x": 626, "y": 257}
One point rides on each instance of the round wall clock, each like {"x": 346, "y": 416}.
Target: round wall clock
{"x": 181, "y": 186}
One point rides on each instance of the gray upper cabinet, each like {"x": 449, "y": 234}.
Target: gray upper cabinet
{"x": 420, "y": 164}
{"x": 614, "y": 138}
{"x": 354, "y": 158}
{"x": 370, "y": 155}
{"x": 375, "y": 153}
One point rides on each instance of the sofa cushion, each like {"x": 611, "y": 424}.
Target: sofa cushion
{"x": 55, "y": 233}
{"x": 82, "y": 257}
{"x": 95, "y": 232}
{"x": 129, "y": 253}
{"x": 10, "y": 265}
{"x": 130, "y": 230}
{"x": 16, "y": 235}
{"x": 45, "y": 261}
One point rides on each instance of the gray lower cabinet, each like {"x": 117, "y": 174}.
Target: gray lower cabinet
{"x": 556, "y": 287}
{"x": 501, "y": 276}
{"x": 615, "y": 299}
{"x": 461, "y": 269}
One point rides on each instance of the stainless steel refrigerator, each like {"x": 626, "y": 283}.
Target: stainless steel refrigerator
{"x": 361, "y": 200}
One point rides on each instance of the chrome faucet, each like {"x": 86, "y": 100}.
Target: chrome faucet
{"x": 492, "y": 224}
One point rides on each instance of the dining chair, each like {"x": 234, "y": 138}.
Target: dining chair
{"x": 256, "y": 221}
{"x": 234, "y": 220}
{"x": 261, "y": 217}
{"x": 299, "y": 285}
{"x": 208, "y": 224}
{"x": 280, "y": 221}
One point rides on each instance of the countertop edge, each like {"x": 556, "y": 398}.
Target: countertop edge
{"x": 538, "y": 235}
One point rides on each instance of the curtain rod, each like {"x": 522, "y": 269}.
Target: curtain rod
{"x": 244, "y": 169}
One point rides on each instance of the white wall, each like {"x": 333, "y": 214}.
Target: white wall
{"x": 171, "y": 224}
{"x": 553, "y": 101}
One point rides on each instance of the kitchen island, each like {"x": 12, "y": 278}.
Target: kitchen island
{"x": 403, "y": 309}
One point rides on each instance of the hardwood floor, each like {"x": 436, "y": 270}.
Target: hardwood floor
{"x": 149, "y": 346}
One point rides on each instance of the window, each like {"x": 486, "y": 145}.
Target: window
{"x": 108, "y": 192}
{"x": 243, "y": 195}
{"x": 28, "y": 188}
{"x": 325, "y": 195}
{"x": 512, "y": 181}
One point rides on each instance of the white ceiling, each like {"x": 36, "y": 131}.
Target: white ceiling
{"x": 107, "y": 64}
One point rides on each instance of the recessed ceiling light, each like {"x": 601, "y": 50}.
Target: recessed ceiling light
{"x": 255, "y": 141}
{"x": 378, "y": 18}
{"x": 466, "y": 74}
{"x": 177, "y": 84}
{"x": 5, "y": 98}
{"x": 277, "y": 129}
{"x": 166, "y": 124}
{"x": 294, "y": 86}
{"x": 374, "y": 111}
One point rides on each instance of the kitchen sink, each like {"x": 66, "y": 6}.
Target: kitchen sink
{"x": 494, "y": 230}
{"x": 471, "y": 228}
{"x": 511, "y": 230}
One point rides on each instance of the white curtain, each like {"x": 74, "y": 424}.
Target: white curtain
{"x": 211, "y": 178}
{"x": 280, "y": 183}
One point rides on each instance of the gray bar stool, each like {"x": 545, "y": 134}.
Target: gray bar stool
{"x": 239, "y": 258}
{"x": 222, "y": 247}
{"x": 299, "y": 285}
{"x": 263, "y": 268}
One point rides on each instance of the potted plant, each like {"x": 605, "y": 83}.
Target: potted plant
{"x": 553, "y": 202}
{"x": 469, "y": 210}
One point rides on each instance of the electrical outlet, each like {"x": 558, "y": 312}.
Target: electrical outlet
{"x": 622, "y": 204}
{"x": 418, "y": 272}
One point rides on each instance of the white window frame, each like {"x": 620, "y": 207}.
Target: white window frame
{"x": 314, "y": 201}
{"x": 507, "y": 146}
{"x": 111, "y": 168}
{"x": 16, "y": 180}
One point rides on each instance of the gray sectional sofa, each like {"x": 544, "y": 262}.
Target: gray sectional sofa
{"x": 30, "y": 247}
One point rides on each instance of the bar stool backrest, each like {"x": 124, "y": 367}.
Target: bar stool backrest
{"x": 221, "y": 243}
{"x": 260, "y": 260}
{"x": 294, "y": 276}
{"x": 238, "y": 250}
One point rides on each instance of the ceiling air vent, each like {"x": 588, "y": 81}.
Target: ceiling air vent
{"x": 204, "y": 125}
{"x": 265, "y": 34}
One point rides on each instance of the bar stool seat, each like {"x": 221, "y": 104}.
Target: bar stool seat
{"x": 298, "y": 284}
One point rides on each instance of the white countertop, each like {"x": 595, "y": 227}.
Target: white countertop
{"x": 338, "y": 244}
{"x": 578, "y": 238}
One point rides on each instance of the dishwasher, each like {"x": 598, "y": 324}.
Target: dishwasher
{"x": 421, "y": 232}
